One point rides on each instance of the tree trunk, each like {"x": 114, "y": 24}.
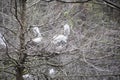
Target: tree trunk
{"x": 19, "y": 73}
{"x": 22, "y": 54}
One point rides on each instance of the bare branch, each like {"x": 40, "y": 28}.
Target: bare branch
{"x": 10, "y": 73}
{"x": 62, "y": 1}
{"x": 90, "y": 64}
{"x": 13, "y": 60}
{"x": 111, "y": 4}
{"x": 7, "y": 29}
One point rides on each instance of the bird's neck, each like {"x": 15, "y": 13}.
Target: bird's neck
{"x": 39, "y": 35}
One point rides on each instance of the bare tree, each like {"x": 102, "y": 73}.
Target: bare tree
{"x": 33, "y": 49}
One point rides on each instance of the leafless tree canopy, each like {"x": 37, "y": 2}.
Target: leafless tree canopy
{"x": 59, "y": 40}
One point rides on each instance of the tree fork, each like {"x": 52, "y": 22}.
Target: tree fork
{"x": 22, "y": 54}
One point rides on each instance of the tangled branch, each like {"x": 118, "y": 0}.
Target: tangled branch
{"x": 107, "y": 2}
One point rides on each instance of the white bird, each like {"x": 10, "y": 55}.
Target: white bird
{"x": 61, "y": 39}
{"x": 38, "y": 35}
{"x": 2, "y": 40}
{"x": 52, "y": 73}
{"x": 66, "y": 29}
{"x": 36, "y": 31}
{"x": 27, "y": 76}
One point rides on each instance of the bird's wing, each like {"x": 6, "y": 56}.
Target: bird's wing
{"x": 36, "y": 31}
{"x": 37, "y": 40}
{"x": 60, "y": 38}
{"x": 2, "y": 40}
{"x": 66, "y": 29}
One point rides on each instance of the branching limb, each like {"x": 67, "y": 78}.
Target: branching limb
{"x": 15, "y": 14}
{"x": 33, "y": 4}
{"x": 108, "y": 2}
{"x": 9, "y": 66}
{"x": 7, "y": 29}
{"x": 13, "y": 60}
{"x": 10, "y": 73}
{"x": 90, "y": 64}
{"x": 63, "y": 1}
{"x": 111, "y": 4}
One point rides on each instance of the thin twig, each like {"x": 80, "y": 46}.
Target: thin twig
{"x": 7, "y": 29}
{"x": 62, "y": 1}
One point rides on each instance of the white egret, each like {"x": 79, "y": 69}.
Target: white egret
{"x": 61, "y": 39}
{"x": 2, "y": 40}
{"x": 52, "y": 73}
{"x": 66, "y": 29}
{"x": 36, "y": 31}
{"x": 28, "y": 76}
{"x": 38, "y": 35}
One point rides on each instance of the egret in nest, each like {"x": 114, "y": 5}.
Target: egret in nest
{"x": 61, "y": 39}
{"x": 38, "y": 36}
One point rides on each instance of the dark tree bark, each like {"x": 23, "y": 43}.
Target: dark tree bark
{"x": 19, "y": 73}
{"x": 22, "y": 54}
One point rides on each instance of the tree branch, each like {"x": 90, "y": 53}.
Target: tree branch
{"x": 7, "y": 29}
{"x": 12, "y": 59}
{"x": 111, "y": 4}
{"x": 69, "y": 1}
{"x": 10, "y": 73}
